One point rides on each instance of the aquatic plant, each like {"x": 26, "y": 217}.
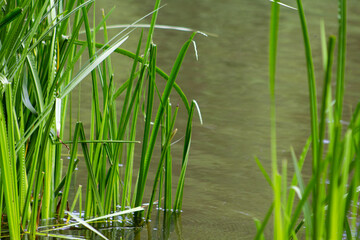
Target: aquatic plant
{"x": 39, "y": 52}
{"x": 327, "y": 203}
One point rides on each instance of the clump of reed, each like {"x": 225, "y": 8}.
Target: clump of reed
{"x": 39, "y": 53}
{"x": 327, "y": 204}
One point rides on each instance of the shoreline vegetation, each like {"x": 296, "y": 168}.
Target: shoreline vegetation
{"x": 40, "y": 51}
{"x": 326, "y": 206}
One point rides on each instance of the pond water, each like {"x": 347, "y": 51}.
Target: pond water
{"x": 224, "y": 188}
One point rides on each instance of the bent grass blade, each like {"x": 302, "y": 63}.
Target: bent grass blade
{"x": 85, "y": 224}
{"x": 89, "y": 68}
{"x": 133, "y": 210}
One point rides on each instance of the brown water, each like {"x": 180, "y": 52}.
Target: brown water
{"x": 224, "y": 189}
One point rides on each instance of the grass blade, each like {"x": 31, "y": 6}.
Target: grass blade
{"x": 165, "y": 96}
{"x": 69, "y": 171}
{"x": 8, "y": 168}
{"x": 312, "y": 85}
{"x": 340, "y": 77}
{"x": 11, "y": 16}
{"x": 263, "y": 171}
{"x": 90, "y": 67}
{"x": 180, "y": 187}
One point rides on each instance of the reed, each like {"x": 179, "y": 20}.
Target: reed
{"x": 40, "y": 51}
{"x": 327, "y": 203}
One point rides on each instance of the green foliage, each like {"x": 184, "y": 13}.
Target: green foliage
{"x": 332, "y": 211}
{"x": 39, "y": 54}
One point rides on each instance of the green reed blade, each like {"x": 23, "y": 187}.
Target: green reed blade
{"x": 273, "y": 39}
{"x": 340, "y": 77}
{"x": 105, "y": 66}
{"x": 151, "y": 29}
{"x": 131, "y": 135}
{"x": 159, "y": 171}
{"x": 48, "y": 206}
{"x": 169, "y": 129}
{"x": 353, "y": 192}
{"x": 88, "y": 68}
{"x": 34, "y": 158}
{"x": 126, "y": 194}
{"x": 64, "y": 25}
{"x": 90, "y": 170}
{"x": 106, "y": 38}
{"x": 11, "y": 140}
{"x": 263, "y": 171}
{"x": 7, "y": 170}
{"x": 99, "y": 159}
{"x": 320, "y": 189}
{"x": 170, "y": 123}
{"x": 312, "y": 96}
{"x": 140, "y": 59}
{"x": 185, "y": 159}
{"x": 31, "y": 34}
{"x": 68, "y": 56}
{"x": 337, "y": 201}
{"x": 347, "y": 230}
{"x": 149, "y": 106}
{"x": 95, "y": 108}
{"x": 52, "y": 65}
{"x": 102, "y": 25}
{"x": 22, "y": 174}
{"x": 35, "y": 213}
{"x": 284, "y": 189}
{"x": 166, "y": 93}
{"x": 25, "y": 95}
{"x": 300, "y": 205}
{"x": 276, "y": 179}
{"x": 330, "y": 119}
{"x": 258, "y": 227}
{"x": 12, "y": 39}
{"x": 260, "y": 231}
{"x": 50, "y": 29}
{"x": 97, "y": 141}
{"x": 291, "y": 196}
{"x": 40, "y": 172}
{"x": 1, "y": 204}
{"x": 11, "y": 16}
{"x": 123, "y": 123}
{"x": 69, "y": 172}
{"x": 36, "y": 80}
{"x": 324, "y": 49}
{"x": 96, "y": 161}
{"x": 121, "y": 89}
{"x": 127, "y": 106}
{"x": 312, "y": 86}
{"x": 62, "y": 182}
{"x": 306, "y": 208}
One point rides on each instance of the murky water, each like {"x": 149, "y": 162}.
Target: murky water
{"x": 224, "y": 189}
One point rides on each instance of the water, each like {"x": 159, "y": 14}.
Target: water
{"x": 224, "y": 189}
